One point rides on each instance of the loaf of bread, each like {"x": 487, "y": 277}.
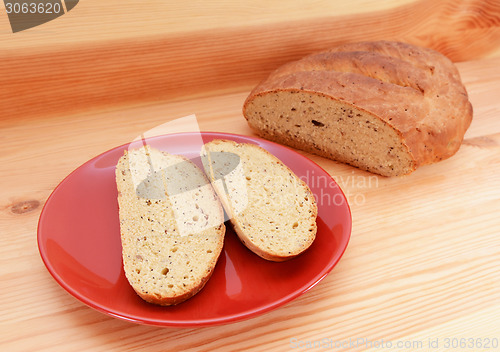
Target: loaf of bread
{"x": 385, "y": 107}
{"x": 272, "y": 211}
{"x": 171, "y": 225}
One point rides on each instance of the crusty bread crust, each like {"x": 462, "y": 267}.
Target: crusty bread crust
{"x": 246, "y": 233}
{"x": 415, "y": 91}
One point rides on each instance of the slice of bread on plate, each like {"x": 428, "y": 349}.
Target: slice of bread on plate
{"x": 171, "y": 225}
{"x": 272, "y": 211}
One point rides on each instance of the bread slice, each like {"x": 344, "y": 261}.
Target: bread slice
{"x": 271, "y": 209}
{"x": 385, "y": 107}
{"x": 171, "y": 225}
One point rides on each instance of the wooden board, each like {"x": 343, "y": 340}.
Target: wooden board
{"x": 423, "y": 263}
{"x": 116, "y": 52}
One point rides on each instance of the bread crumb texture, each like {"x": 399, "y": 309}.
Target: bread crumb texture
{"x": 385, "y": 107}
{"x": 272, "y": 210}
{"x": 171, "y": 225}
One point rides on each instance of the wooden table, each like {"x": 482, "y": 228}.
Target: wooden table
{"x": 423, "y": 264}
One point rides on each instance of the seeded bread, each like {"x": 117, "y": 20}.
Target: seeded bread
{"x": 272, "y": 211}
{"x": 385, "y": 107}
{"x": 171, "y": 224}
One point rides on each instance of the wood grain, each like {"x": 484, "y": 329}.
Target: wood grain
{"x": 133, "y": 58}
{"x": 422, "y": 263}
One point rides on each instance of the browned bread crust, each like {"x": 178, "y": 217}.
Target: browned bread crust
{"x": 415, "y": 92}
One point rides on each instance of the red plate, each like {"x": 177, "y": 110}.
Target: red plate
{"x": 79, "y": 242}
